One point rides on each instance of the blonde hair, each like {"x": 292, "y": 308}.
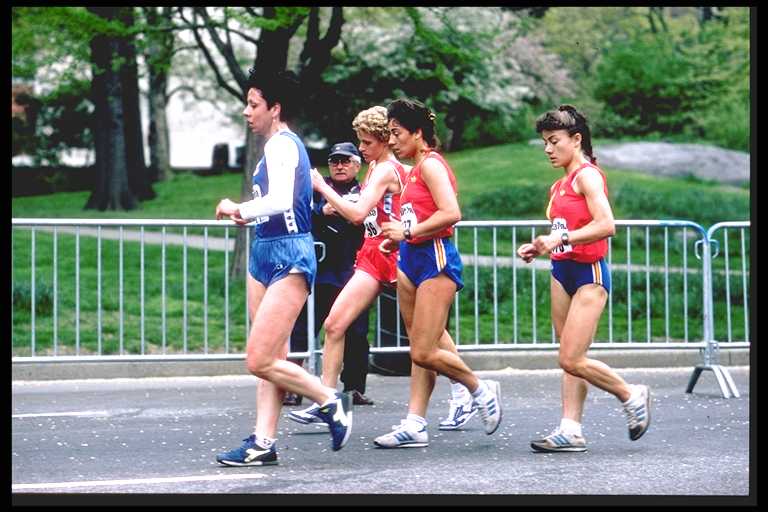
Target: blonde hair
{"x": 373, "y": 121}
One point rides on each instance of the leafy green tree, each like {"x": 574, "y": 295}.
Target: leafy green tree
{"x": 695, "y": 85}
{"x": 275, "y": 28}
{"x": 474, "y": 66}
{"x": 61, "y": 48}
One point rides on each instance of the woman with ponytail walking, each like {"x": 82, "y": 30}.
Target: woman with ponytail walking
{"x": 582, "y": 221}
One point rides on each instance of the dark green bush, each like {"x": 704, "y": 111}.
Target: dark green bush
{"x": 699, "y": 204}
{"x": 523, "y": 200}
{"x": 22, "y": 297}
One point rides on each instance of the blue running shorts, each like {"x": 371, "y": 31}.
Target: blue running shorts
{"x": 272, "y": 259}
{"x": 573, "y": 275}
{"x": 428, "y": 259}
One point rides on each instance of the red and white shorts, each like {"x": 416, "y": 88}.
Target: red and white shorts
{"x": 380, "y": 266}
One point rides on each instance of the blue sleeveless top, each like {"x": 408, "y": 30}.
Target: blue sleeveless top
{"x": 298, "y": 219}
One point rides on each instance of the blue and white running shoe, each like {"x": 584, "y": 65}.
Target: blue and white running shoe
{"x": 338, "y": 416}
{"x": 459, "y": 413}
{"x": 559, "y": 441}
{"x": 404, "y": 435}
{"x": 250, "y": 454}
{"x": 490, "y": 410}
{"x": 306, "y": 416}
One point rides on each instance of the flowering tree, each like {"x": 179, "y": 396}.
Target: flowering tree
{"x": 470, "y": 65}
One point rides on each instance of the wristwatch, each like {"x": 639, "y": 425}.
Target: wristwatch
{"x": 407, "y": 233}
{"x": 564, "y": 238}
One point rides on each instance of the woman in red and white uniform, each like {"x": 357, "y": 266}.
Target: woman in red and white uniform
{"x": 379, "y": 202}
{"x": 582, "y": 221}
{"x": 429, "y": 274}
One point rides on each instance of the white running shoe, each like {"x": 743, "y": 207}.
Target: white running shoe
{"x": 559, "y": 441}
{"x": 490, "y": 410}
{"x": 459, "y": 413}
{"x": 404, "y": 435}
{"x": 639, "y": 416}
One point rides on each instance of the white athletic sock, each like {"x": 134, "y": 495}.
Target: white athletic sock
{"x": 416, "y": 420}
{"x": 331, "y": 399}
{"x": 568, "y": 426}
{"x": 459, "y": 391}
{"x": 264, "y": 441}
{"x": 634, "y": 397}
{"x": 482, "y": 393}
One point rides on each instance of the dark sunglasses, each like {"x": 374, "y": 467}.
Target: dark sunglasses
{"x": 339, "y": 160}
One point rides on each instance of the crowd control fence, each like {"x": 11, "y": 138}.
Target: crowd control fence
{"x": 138, "y": 289}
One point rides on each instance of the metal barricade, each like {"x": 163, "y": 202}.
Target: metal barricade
{"x": 734, "y": 297}
{"x": 94, "y": 265}
{"x": 657, "y": 297}
{"x": 157, "y": 291}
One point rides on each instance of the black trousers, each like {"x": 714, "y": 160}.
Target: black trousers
{"x": 356, "y": 349}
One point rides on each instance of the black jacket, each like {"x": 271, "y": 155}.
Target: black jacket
{"x": 342, "y": 238}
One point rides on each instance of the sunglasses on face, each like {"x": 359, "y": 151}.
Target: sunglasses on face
{"x": 343, "y": 160}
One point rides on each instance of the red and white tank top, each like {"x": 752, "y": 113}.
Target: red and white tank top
{"x": 417, "y": 203}
{"x": 388, "y": 207}
{"x": 568, "y": 211}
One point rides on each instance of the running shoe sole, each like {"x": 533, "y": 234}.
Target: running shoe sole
{"x": 256, "y": 463}
{"x": 404, "y": 445}
{"x": 571, "y": 449}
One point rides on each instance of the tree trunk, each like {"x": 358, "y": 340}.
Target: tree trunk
{"x": 254, "y": 149}
{"x": 159, "y": 137}
{"x": 138, "y": 177}
{"x": 272, "y": 55}
{"x": 111, "y": 190}
{"x": 158, "y": 58}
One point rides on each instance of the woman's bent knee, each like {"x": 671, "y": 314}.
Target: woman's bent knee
{"x": 422, "y": 358}
{"x": 259, "y": 367}
{"x": 333, "y": 329}
{"x": 572, "y": 366}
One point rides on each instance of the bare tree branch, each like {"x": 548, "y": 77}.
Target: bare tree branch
{"x": 252, "y": 12}
{"x": 219, "y": 79}
{"x": 317, "y": 51}
{"x": 226, "y": 51}
{"x": 226, "y": 30}
{"x": 182, "y": 48}
{"x": 313, "y": 34}
{"x": 191, "y": 90}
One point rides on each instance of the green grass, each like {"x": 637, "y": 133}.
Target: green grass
{"x": 200, "y": 318}
{"x": 501, "y": 182}
{"x": 509, "y": 181}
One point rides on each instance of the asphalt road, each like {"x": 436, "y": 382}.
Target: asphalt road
{"x": 159, "y": 436}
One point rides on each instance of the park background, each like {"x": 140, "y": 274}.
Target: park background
{"x": 141, "y": 97}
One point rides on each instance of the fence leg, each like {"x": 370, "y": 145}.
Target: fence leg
{"x": 723, "y": 376}
{"x": 729, "y": 381}
{"x": 710, "y": 352}
{"x": 312, "y": 366}
{"x": 694, "y": 377}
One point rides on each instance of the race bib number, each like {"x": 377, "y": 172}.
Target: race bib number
{"x": 371, "y": 223}
{"x": 408, "y": 216}
{"x": 558, "y": 228}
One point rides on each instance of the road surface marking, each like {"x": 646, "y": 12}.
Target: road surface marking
{"x": 72, "y": 413}
{"x": 137, "y": 481}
